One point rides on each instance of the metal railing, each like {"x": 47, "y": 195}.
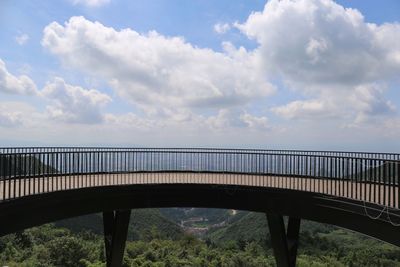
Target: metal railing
{"x": 370, "y": 177}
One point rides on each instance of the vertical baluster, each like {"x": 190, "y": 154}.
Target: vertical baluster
{"x": 71, "y": 174}
{"x": 326, "y": 174}
{"x": 51, "y": 178}
{"x": 73, "y": 168}
{"x": 43, "y": 166}
{"x": 390, "y": 179}
{"x": 25, "y": 170}
{"x": 341, "y": 176}
{"x": 286, "y": 171}
{"x": 345, "y": 175}
{"x": 14, "y": 173}
{"x": 370, "y": 173}
{"x": 384, "y": 166}
{"x": 298, "y": 172}
{"x": 36, "y": 170}
{"x": 394, "y": 185}
{"x": 398, "y": 181}
{"x": 9, "y": 173}
{"x": 19, "y": 171}
{"x": 360, "y": 178}
{"x": 353, "y": 182}
{"x": 89, "y": 167}
{"x": 292, "y": 171}
{"x": 112, "y": 166}
{"x": 380, "y": 171}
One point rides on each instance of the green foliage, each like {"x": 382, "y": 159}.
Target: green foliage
{"x": 251, "y": 227}
{"x": 49, "y": 246}
{"x": 91, "y": 222}
{"x": 320, "y": 244}
{"x": 146, "y": 224}
{"x": 244, "y": 243}
{"x": 213, "y": 216}
{"x": 67, "y": 251}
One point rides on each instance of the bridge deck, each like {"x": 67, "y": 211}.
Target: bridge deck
{"x": 372, "y": 193}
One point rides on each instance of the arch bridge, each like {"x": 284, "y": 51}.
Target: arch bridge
{"x": 354, "y": 190}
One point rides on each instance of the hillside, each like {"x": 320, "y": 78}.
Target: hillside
{"x": 250, "y": 227}
{"x": 155, "y": 240}
{"x": 21, "y": 165}
{"x": 144, "y": 224}
{"x": 212, "y": 216}
{"x": 316, "y": 240}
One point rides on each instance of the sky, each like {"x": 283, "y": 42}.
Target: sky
{"x": 288, "y": 74}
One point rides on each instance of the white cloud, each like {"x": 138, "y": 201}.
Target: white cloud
{"x": 15, "y": 85}
{"x": 315, "y": 48}
{"x": 91, "y": 3}
{"x": 328, "y": 53}
{"x": 225, "y": 119}
{"x": 370, "y": 104}
{"x": 161, "y": 75}
{"x": 234, "y": 118}
{"x": 338, "y": 63}
{"x": 255, "y": 122}
{"x": 16, "y": 114}
{"x": 307, "y": 109}
{"x": 10, "y": 119}
{"x": 131, "y": 120}
{"x": 391, "y": 127}
{"x": 320, "y": 42}
{"x": 74, "y": 104}
{"x": 22, "y": 38}
{"x": 361, "y": 104}
{"x": 222, "y": 28}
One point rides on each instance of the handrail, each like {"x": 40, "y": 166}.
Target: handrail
{"x": 280, "y": 151}
{"x": 341, "y": 154}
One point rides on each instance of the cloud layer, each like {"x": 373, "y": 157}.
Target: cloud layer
{"x": 161, "y": 75}
{"x": 22, "y": 39}
{"x": 73, "y": 103}
{"x": 317, "y": 71}
{"x": 328, "y": 53}
{"x": 222, "y": 28}
{"x": 323, "y": 43}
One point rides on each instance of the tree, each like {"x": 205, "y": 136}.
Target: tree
{"x": 67, "y": 251}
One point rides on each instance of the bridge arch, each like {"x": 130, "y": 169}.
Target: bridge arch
{"x": 39, "y": 209}
{"x": 357, "y": 191}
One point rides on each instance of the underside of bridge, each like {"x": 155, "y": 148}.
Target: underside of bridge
{"x": 116, "y": 202}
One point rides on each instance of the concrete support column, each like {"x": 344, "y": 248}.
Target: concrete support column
{"x": 115, "y": 232}
{"x": 284, "y": 242}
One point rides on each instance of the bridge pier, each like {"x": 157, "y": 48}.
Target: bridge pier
{"x": 115, "y": 232}
{"x": 284, "y": 242}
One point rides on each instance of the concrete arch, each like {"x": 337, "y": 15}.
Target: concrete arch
{"x": 38, "y": 209}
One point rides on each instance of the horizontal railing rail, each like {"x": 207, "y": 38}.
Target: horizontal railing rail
{"x": 381, "y": 155}
{"x": 369, "y": 177}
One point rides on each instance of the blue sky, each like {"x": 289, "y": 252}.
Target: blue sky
{"x": 313, "y": 74}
